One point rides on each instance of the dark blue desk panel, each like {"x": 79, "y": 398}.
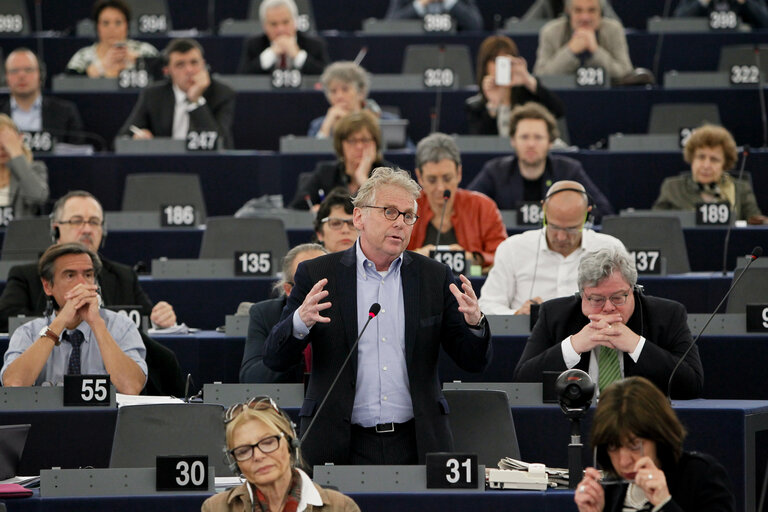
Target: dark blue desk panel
{"x": 732, "y": 431}
{"x": 726, "y": 373}
{"x": 520, "y": 501}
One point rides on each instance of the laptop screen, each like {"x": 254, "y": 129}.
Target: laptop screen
{"x": 12, "y": 440}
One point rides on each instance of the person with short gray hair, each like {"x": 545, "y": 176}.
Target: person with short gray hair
{"x": 264, "y": 315}
{"x": 346, "y": 86}
{"x": 385, "y": 407}
{"x": 611, "y": 330}
{"x": 282, "y": 46}
{"x": 464, "y": 221}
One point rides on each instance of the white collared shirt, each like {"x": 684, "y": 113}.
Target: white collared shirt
{"x": 525, "y": 267}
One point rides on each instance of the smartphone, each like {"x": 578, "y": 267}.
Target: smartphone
{"x": 120, "y": 44}
{"x": 503, "y": 70}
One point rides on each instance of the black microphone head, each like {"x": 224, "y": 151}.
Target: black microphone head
{"x": 375, "y": 308}
{"x": 757, "y": 252}
{"x": 745, "y": 149}
{"x": 446, "y": 194}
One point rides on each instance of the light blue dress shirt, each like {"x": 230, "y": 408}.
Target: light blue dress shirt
{"x": 28, "y": 120}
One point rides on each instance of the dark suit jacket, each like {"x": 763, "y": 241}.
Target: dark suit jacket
{"x": 327, "y": 175}
{"x": 60, "y": 118}
{"x": 317, "y": 55}
{"x": 697, "y": 482}
{"x": 264, "y": 316}
{"x": 662, "y": 322}
{"x": 432, "y": 321}
{"x": 24, "y": 295}
{"x": 500, "y": 180}
{"x": 154, "y": 112}
{"x": 465, "y": 12}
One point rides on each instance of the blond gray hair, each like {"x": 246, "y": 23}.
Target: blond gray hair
{"x": 386, "y": 176}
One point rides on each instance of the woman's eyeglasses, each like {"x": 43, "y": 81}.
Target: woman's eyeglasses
{"x": 266, "y": 446}
{"x": 336, "y": 223}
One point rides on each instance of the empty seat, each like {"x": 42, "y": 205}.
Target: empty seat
{"x": 752, "y": 287}
{"x": 151, "y": 191}
{"x": 664, "y": 234}
{"x": 671, "y": 117}
{"x": 143, "y": 432}
{"x": 743, "y": 55}
{"x": 481, "y": 422}
{"x": 26, "y": 239}
{"x": 224, "y": 236}
{"x": 422, "y": 57}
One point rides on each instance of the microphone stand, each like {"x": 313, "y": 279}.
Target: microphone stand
{"x": 745, "y": 151}
{"x": 375, "y": 308}
{"x": 756, "y": 253}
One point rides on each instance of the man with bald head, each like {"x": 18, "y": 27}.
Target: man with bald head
{"x": 30, "y": 110}
{"x": 541, "y": 264}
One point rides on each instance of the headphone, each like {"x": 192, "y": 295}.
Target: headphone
{"x": 590, "y": 203}
{"x": 292, "y": 438}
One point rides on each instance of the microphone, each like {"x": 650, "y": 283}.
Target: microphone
{"x": 439, "y": 94}
{"x": 186, "y": 388}
{"x": 446, "y": 197}
{"x": 361, "y": 55}
{"x": 760, "y": 85}
{"x": 372, "y": 312}
{"x": 756, "y": 253}
{"x": 308, "y": 200}
{"x": 745, "y": 152}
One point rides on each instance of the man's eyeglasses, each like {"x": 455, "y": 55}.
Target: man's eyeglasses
{"x": 392, "y": 213}
{"x": 336, "y": 223}
{"x": 258, "y": 403}
{"x": 79, "y": 222}
{"x": 596, "y": 301}
{"x": 266, "y": 445}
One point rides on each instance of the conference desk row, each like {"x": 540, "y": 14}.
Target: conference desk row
{"x": 329, "y": 14}
{"x": 733, "y": 431}
{"x": 520, "y": 501}
{"x": 204, "y": 303}
{"x": 229, "y": 179}
{"x": 733, "y": 365}
{"x": 262, "y": 117}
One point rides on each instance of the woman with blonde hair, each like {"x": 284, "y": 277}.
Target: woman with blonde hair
{"x": 263, "y": 447}
{"x": 23, "y": 181}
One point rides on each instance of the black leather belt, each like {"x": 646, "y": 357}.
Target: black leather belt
{"x": 385, "y": 428}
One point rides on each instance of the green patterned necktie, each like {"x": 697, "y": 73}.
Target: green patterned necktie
{"x": 607, "y": 367}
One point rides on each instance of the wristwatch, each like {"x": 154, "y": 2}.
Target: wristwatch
{"x": 480, "y": 323}
{"x": 46, "y": 332}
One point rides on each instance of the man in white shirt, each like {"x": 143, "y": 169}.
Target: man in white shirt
{"x": 541, "y": 264}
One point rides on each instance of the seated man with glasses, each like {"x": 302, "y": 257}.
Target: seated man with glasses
{"x": 387, "y": 406}
{"x": 539, "y": 265}
{"x": 334, "y": 228}
{"x": 79, "y": 217}
{"x": 611, "y": 330}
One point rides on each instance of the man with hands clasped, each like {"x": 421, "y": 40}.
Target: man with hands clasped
{"x": 611, "y": 330}
{"x": 95, "y": 341}
{"x": 387, "y": 406}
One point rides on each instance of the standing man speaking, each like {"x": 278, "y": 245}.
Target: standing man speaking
{"x": 387, "y": 407}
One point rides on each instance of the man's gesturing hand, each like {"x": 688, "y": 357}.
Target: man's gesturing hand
{"x": 309, "y": 311}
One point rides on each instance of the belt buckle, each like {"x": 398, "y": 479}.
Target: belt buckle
{"x": 384, "y": 428}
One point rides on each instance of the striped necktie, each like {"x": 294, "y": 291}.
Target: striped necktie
{"x": 607, "y": 367}
{"x": 75, "y": 338}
